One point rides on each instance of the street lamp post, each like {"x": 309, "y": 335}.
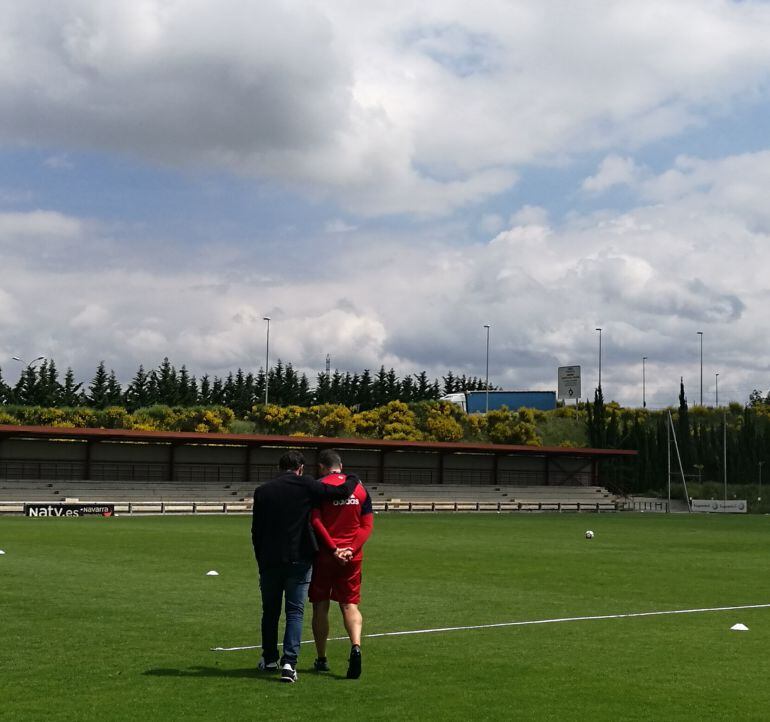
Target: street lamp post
{"x": 267, "y": 356}
{"x": 716, "y": 389}
{"x": 486, "y": 386}
{"x": 30, "y": 364}
{"x": 644, "y": 382}
{"x": 27, "y": 366}
{"x": 600, "y": 358}
{"x": 700, "y": 333}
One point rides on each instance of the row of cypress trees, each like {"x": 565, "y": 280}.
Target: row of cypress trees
{"x": 240, "y": 390}
{"x": 704, "y": 436}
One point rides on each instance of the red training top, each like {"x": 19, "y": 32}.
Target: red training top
{"x": 344, "y": 522}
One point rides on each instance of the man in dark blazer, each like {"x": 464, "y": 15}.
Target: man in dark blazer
{"x": 284, "y": 547}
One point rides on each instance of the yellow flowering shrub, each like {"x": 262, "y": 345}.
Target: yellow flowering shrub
{"x": 441, "y": 424}
{"x": 334, "y": 420}
{"x": 8, "y": 419}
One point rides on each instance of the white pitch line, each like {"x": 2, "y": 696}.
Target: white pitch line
{"x": 526, "y": 623}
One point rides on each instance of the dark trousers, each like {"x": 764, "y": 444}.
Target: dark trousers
{"x": 275, "y": 581}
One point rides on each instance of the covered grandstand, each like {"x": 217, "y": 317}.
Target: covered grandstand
{"x": 187, "y": 471}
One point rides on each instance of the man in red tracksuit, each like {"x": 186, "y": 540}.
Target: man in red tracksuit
{"x": 341, "y": 527}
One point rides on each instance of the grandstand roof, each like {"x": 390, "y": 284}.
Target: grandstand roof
{"x": 190, "y": 437}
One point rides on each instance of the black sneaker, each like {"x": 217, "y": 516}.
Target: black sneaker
{"x": 321, "y": 664}
{"x": 354, "y": 663}
{"x": 288, "y": 673}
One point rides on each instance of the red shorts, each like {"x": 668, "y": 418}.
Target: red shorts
{"x": 332, "y": 580}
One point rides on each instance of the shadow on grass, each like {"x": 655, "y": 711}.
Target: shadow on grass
{"x": 248, "y": 672}
{"x": 199, "y": 671}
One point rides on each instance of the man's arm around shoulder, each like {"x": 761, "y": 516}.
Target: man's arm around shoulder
{"x": 327, "y": 492}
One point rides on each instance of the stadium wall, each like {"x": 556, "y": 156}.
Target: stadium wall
{"x": 101, "y": 454}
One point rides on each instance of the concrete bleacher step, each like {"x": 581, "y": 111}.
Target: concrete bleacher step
{"x": 401, "y": 495}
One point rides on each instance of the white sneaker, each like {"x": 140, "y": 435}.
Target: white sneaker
{"x": 288, "y": 673}
{"x": 267, "y": 666}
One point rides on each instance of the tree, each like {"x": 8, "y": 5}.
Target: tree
{"x": 114, "y": 394}
{"x": 275, "y": 380}
{"x": 379, "y": 388}
{"x": 336, "y": 395}
{"x": 49, "y": 389}
{"x": 596, "y": 420}
{"x": 259, "y": 386}
{"x": 392, "y": 387}
{"x": 407, "y": 389}
{"x": 683, "y": 428}
{"x": 289, "y": 392}
{"x": 241, "y": 392}
{"x": 217, "y": 392}
{"x": 137, "y": 393}
{"x": 304, "y": 394}
{"x": 323, "y": 388}
{"x": 435, "y": 390}
{"x": 71, "y": 394}
{"x": 422, "y": 392}
{"x": 168, "y": 384}
{"x": 204, "y": 395}
{"x": 97, "y": 390}
{"x": 228, "y": 391}
{"x": 187, "y": 389}
{"x": 26, "y": 389}
{"x": 153, "y": 388}
{"x": 364, "y": 390}
{"x": 5, "y": 390}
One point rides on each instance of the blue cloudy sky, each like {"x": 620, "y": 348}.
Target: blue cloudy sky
{"x": 384, "y": 179}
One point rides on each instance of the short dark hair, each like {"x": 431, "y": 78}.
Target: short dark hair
{"x": 330, "y": 458}
{"x": 291, "y": 461}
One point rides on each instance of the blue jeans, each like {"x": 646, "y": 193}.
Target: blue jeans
{"x": 275, "y": 581}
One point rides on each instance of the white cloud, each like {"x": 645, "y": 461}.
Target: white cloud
{"x": 60, "y": 161}
{"x": 339, "y": 226}
{"x": 40, "y": 225}
{"x": 415, "y": 110}
{"x": 650, "y": 276}
{"x": 93, "y": 315}
{"x": 735, "y": 184}
{"x": 529, "y": 216}
{"x": 613, "y": 171}
{"x": 491, "y": 222}
{"x": 14, "y": 196}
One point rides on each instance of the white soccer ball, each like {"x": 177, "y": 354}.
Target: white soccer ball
{"x": 589, "y": 534}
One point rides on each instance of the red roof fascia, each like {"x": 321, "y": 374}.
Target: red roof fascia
{"x": 191, "y": 437}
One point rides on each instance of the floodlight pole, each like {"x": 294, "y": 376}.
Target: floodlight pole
{"x": 267, "y": 356}
{"x": 681, "y": 469}
{"x": 486, "y": 386}
{"x": 724, "y": 450}
{"x": 716, "y": 390}
{"x": 644, "y": 383}
{"x": 600, "y": 358}
{"x": 668, "y": 461}
{"x": 700, "y": 333}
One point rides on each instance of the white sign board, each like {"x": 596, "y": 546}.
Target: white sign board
{"x": 731, "y": 506}
{"x": 569, "y": 382}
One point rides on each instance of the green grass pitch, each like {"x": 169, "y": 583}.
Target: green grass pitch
{"x": 113, "y": 619}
